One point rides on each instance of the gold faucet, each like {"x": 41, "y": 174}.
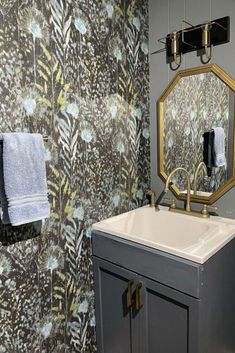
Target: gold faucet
{"x": 188, "y": 204}
{"x": 200, "y": 166}
{"x": 204, "y": 212}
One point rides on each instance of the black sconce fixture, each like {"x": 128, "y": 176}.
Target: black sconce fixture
{"x": 201, "y": 38}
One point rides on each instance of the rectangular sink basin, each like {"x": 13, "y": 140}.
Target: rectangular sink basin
{"x": 189, "y": 237}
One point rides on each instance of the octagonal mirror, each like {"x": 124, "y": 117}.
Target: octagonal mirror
{"x": 196, "y": 115}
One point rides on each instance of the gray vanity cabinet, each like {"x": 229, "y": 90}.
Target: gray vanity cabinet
{"x": 162, "y": 313}
{"x": 148, "y": 301}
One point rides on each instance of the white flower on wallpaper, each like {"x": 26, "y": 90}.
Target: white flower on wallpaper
{"x": 121, "y": 143}
{"x": 33, "y": 22}
{"x": 5, "y": 265}
{"x": 73, "y": 109}
{"x": 136, "y": 23}
{"x": 87, "y": 133}
{"x": 116, "y": 106}
{"x": 81, "y": 22}
{"x": 117, "y": 49}
{"x": 28, "y": 101}
{"x": 47, "y": 327}
{"x": 79, "y": 213}
{"x": 137, "y": 113}
{"x": 2, "y": 349}
{"x": 110, "y": 9}
{"x": 46, "y": 330}
{"x": 52, "y": 259}
{"x": 145, "y": 48}
{"x": 146, "y": 133}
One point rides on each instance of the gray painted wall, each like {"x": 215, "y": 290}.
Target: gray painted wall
{"x": 166, "y": 16}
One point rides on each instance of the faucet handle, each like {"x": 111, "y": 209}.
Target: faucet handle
{"x": 152, "y": 195}
{"x": 205, "y": 211}
{"x": 214, "y": 208}
{"x": 170, "y": 202}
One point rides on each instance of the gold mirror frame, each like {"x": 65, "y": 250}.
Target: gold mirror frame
{"x": 223, "y": 76}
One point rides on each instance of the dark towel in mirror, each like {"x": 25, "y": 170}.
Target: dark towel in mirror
{"x": 208, "y": 150}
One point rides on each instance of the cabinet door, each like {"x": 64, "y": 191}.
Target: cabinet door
{"x": 171, "y": 319}
{"x": 113, "y": 314}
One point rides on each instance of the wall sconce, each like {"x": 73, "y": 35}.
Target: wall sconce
{"x": 206, "y": 40}
{"x": 204, "y": 36}
{"x": 175, "y": 48}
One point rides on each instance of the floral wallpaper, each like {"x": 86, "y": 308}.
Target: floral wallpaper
{"x": 196, "y": 105}
{"x": 77, "y": 71}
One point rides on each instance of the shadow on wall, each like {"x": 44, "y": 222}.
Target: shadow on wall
{"x": 11, "y": 235}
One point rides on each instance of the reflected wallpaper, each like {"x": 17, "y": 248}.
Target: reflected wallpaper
{"x": 196, "y": 105}
{"x": 77, "y": 71}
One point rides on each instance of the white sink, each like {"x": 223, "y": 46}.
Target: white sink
{"x": 189, "y": 237}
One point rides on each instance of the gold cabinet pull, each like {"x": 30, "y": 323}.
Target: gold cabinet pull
{"x": 138, "y": 304}
{"x": 129, "y": 293}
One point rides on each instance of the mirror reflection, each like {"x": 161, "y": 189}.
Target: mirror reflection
{"x": 198, "y": 124}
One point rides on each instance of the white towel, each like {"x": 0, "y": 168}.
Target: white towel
{"x": 25, "y": 178}
{"x": 219, "y": 147}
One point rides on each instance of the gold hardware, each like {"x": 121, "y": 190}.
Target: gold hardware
{"x": 171, "y": 202}
{"x": 200, "y": 166}
{"x": 206, "y": 40}
{"x": 205, "y": 213}
{"x": 175, "y": 48}
{"x": 129, "y": 293}
{"x": 180, "y": 169}
{"x": 152, "y": 194}
{"x": 138, "y": 304}
{"x": 174, "y": 43}
{"x": 188, "y": 209}
{"x": 205, "y": 36}
{"x": 230, "y": 83}
{"x": 183, "y": 211}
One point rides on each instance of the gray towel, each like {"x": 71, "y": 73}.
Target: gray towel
{"x": 25, "y": 178}
{"x": 219, "y": 147}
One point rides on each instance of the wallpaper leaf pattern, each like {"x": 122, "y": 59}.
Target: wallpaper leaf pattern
{"x": 77, "y": 71}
